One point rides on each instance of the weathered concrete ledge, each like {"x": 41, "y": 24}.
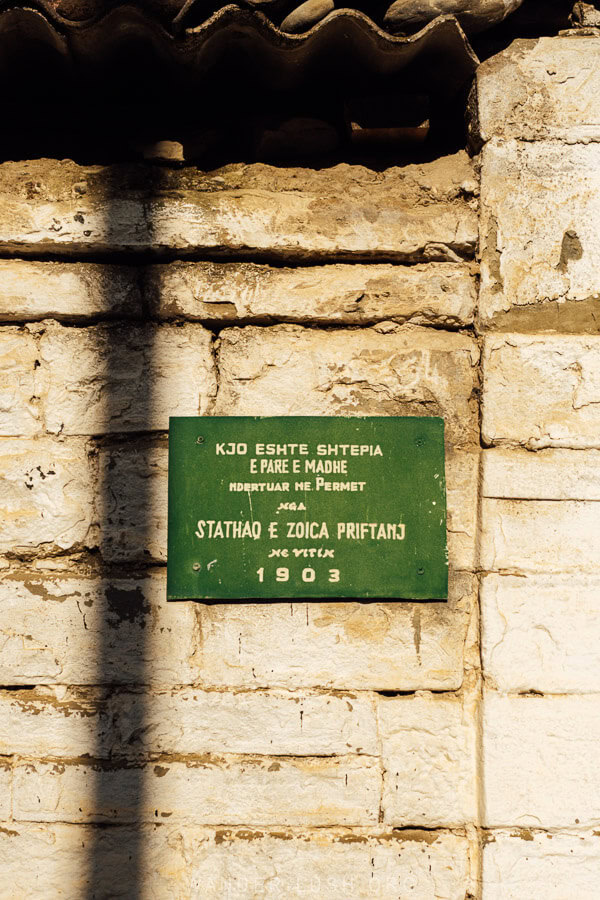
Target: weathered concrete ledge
{"x": 415, "y": 214}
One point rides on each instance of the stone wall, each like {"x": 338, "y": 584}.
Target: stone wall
{"x": 540, "y": 518}
{"x": 335, "y": 750}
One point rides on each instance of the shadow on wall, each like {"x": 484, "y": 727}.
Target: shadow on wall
{"x": 116, "y": 853}
{"x": 119, "y": 859}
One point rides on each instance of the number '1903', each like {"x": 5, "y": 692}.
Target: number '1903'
{"x": 308, "y": 575}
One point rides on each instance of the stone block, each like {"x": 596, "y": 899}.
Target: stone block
{"x": 545, "y": 89}
{"x": 208, "y": 790}
{"x": 542, "y": 391}
{"x": 428, "y": 754}
{"x": 541, "y": 633}
{"x": 437, "y": 293}
{"x": 73, "y": 722}
{"x": 191, "y": 721}
{"x": 125, "y": 378}
{"x": 70, "y": 291}
{"x": 559, "y": 865}
{"x": 22, "y": 383}
{"x": 5, "y": 789}
{"x": 182, "y": 864}
{"x": 344, "y": 646}
{"x": 539, "y": 243}
{"x": 45, "y": 496}
{"x": 288, "y": 370}
{"x": 50, "y": 860}
{"x": 91, "y": 630}
{"x": 540, "y": 535}
{"x": 416, "y": 213}
{"x": 538, "y": 759}
{"x": 462, "y": 481}
{"x": 131, "y": 503}
{"x": 544, "y": 475}
{"x": 334, "y": 864}
{"x": 55, "y": 722}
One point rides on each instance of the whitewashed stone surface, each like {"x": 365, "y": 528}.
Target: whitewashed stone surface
{"x": 439, "y": 293}
{"x": 129, "y": 378}
{"x": 542, "y": 391}
{"x": 542, "y": 632}
{"x": 559, "y": 865}
{"x": 131, "y": 501}
{"x": 268, "y": 722}
{"x": 181, "y": 864}
{"x": 540, "y": 535}
{"x": 45, "y": 496}
{"x": 537, "y": 761}
{"x": 48, "y": 861}
{"x": 22, "y": 383}
{"x": 69, "y": 629}
{"x": 251, "y": 733}
{"x": 543, "y": 475}
{"x": 74, "y": 291}
{"x": 334, "y": 864}
{"x": 209, "y": 790}
{"x": 428, "y": 753}
{"x": 345, "y": 646}
{"x": 288, "y": 370}
{"x": 542, "y": 89}
{"x": 444, "y": 293}
{"x": 55, "y": 722}
{"x": 69, "y": 723}
{"x": 462, "y": 483}
{"x": 539, "y": 243}
{"x": 5, "y": 789}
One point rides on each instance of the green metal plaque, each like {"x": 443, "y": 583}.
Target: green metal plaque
{"x": 307, "y": 507}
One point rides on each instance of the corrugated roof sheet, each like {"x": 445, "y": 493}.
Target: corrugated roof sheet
{"x": 85, "y": 36}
